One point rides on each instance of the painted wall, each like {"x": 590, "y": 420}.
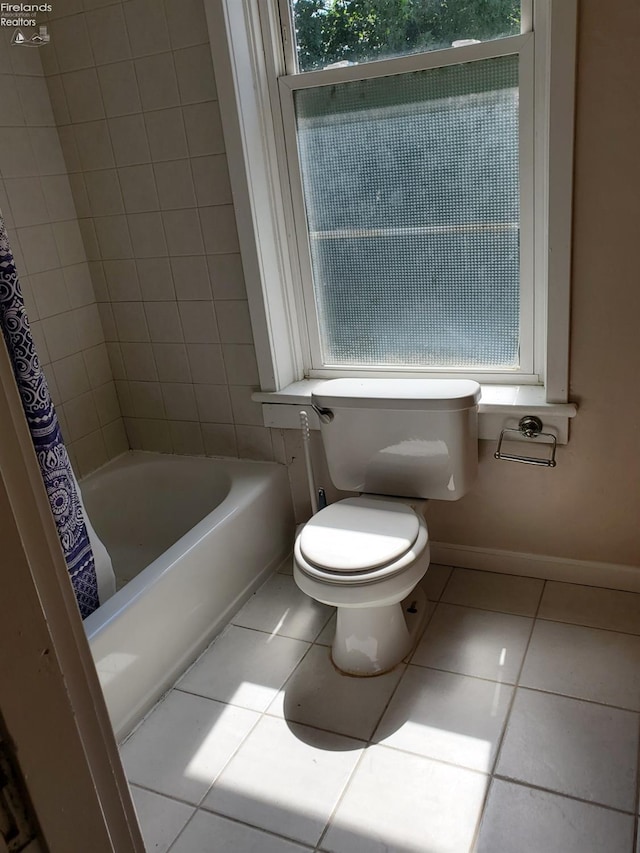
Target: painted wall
{"x": 36, "y": 201}
{"x": 589, "y": 506}
{"x": 134, "y": 97}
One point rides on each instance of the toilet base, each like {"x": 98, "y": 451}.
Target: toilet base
{"x": 372, "y": 640}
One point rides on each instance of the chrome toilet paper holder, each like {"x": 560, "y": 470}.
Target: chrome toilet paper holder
{"x": 531, "y": 427}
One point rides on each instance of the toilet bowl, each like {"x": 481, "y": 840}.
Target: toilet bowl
{"x": 365, "y": 556}
{"x": 398, "y": 443}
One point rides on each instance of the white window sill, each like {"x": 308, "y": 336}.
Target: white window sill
{"x": 501, "y": 407}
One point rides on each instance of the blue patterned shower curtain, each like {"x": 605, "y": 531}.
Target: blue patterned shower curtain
{"x": 45, "y": 433}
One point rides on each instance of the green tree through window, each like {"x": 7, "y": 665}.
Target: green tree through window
{"x": 333, "y": 31}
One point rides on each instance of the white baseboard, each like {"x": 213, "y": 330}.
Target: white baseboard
{"x": 590, "y": 573}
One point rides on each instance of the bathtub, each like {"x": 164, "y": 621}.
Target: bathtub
{"x": 190, "y": 539}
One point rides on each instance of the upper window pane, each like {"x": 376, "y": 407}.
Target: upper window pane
{"x": 344, "y": 32}
{"x": 411, "y": 185}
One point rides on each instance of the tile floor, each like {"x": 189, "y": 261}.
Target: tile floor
{"x": 513, "y": 729}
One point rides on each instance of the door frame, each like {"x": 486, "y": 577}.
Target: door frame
{"x": 50, "y": 696}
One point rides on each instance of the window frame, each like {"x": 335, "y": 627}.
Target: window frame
{"x": 520, "y": 46}
{"x": 246, "y": 39}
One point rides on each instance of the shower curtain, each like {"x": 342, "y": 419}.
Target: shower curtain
{"x": 45, "y": 433}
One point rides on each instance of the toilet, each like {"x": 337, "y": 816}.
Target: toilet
{"x": 398, "y": 443}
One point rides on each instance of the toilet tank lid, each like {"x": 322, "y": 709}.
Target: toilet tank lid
{"x": 445, "y": 395}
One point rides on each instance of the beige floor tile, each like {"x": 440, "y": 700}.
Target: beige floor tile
{"x": 587, "y": 663}
{"x": 244, "y": 667}
{"x": 161, "y": 819}
{"x": 494, "y": 591}
{"x": 450, "y": 717}
{"x": 279, "y": 607}
{"x": 474, "y": 642}
{"x": 591, "y": 606}
{"x": 184, "y": 744}
{"x": 286, "y": 778}
{"x": 518, "y": 819}
{"x": 572, "y": 747}
{"x": 208, "y": 832}
{"x": 399, "y": 802}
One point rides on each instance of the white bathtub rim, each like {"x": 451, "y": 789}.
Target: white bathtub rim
{"x": 243, "y": 483}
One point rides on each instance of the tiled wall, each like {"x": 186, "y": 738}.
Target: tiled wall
{"x": 37, "y": 203}
{"x": 134, "y": 96}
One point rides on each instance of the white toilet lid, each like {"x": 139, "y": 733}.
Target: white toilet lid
{"x": 357, "y": 534}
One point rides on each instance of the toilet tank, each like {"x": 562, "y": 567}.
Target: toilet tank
{"x": 401, "y": 437}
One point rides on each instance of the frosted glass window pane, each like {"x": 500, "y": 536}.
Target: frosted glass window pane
{"x": 412, "y": 196}
{"x": 347, "y": 32}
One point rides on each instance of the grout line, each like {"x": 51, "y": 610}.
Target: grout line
{"x": 522, "y": 784}
{"x": 172, "y": 797}
{"x": 179, "y": 835}
{"x": 270, "y": 832}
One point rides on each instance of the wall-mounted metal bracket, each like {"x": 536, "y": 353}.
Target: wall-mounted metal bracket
{"x": 531, "y": 427}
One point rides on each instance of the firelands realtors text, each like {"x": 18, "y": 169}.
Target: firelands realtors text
{"x": 21, "y": 9}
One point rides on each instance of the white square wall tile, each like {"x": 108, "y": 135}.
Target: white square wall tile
{"x": 279, "y": 607}
{"x": 286, "y": 779}
{"x": 219, "y": 229}
{"x": 518, "y": 819}
{"x": 194, "y": 70}
{"x": 204, "y": 128}
{"x": 474, "y": 642}
{"x": 83, "y": 94}
{"x": 147, "y": 235}
{"x": 108, "y": 34}
{"x": 191, "y": 277}
{"x": 219, "y": 440}
{"x": 184, "y": 744}
{"x": 206, "y": 363}
{"x": 244, "y": 667}
{"x": 138, "y": 188}
{"x": 156, "y": 282}
{"x": 207, "y": 830}
{"x": 161, "y": 819}
{"x": 493, "y": 591}
{"x": 587, "y": 663}
{"x": 175, "y": 184}
{"x": 213, "y": 404}
{"x": 449, "y": 717}
{"x": 146, "y": 27}
{"x": 198, "y": 322}
{"x": 187, "y": 22}
{"x": 234, "y": 322}
{"x": 318, "y": 695}
{"x": 129, "y": 138}
{"x": 119, "y": 88}
{"x": 157, "y": 81}
{"x": 254, "y": 442}
{"x": 400, "y": 802}
{"x": 164, "y": 322}
{"x": 167, "y": 139}
{"x": 227, "y": 276}
{"x": 572, "y": 747}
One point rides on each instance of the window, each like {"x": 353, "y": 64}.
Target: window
{"x": 403, "y": 203}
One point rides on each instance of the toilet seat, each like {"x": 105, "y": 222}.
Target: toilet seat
{"x": 360, "y": 540}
